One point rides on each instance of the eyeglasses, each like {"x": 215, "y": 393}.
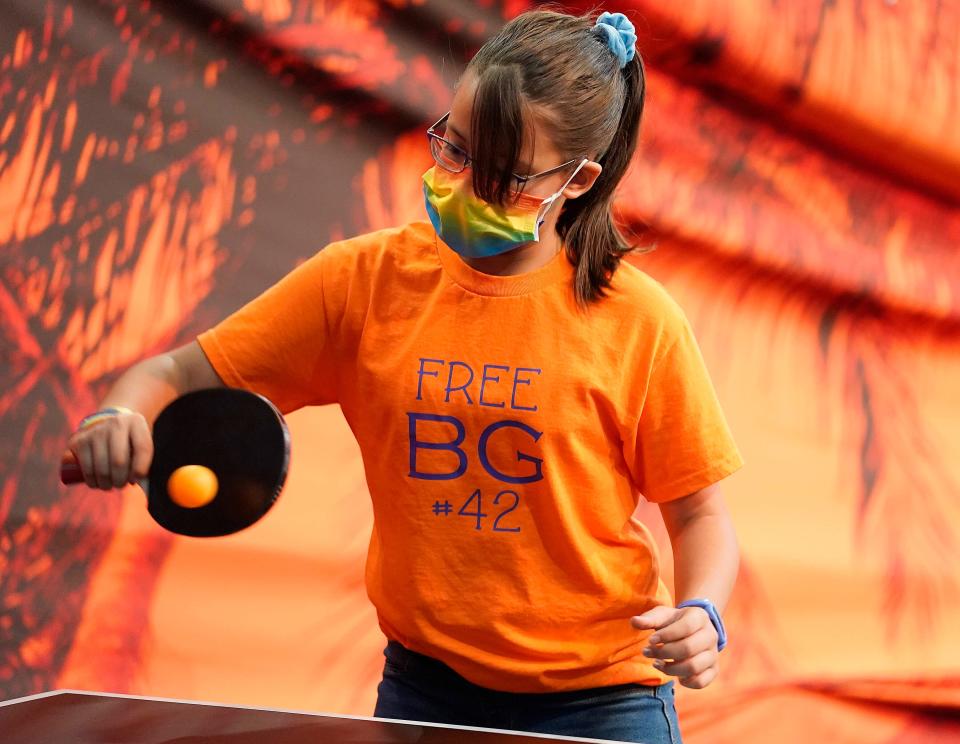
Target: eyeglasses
{"x": 455, "y": 159}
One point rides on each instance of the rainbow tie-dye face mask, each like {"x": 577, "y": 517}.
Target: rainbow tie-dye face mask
{"x": 475, "y": 228}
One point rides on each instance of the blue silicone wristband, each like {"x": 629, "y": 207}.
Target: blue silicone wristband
{"x": 711, "y": 610}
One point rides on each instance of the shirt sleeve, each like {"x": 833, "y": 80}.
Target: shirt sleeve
{"x": 681, "y": 442}
{"x": 279, "y": 344}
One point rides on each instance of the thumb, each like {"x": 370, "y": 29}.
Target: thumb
{"x": 655, "y": 618}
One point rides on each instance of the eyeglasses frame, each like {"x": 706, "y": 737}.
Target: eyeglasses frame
{"x": 522, "y": 180}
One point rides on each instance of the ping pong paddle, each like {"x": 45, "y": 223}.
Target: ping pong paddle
{"x": 239, "y": 435}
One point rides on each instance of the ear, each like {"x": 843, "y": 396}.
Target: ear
{"x": 583, "y": 181}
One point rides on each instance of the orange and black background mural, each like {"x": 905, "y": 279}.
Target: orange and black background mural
{"x": 161, "y": 163}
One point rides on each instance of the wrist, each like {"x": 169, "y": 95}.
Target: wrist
{"x": 713, "y": 613}
{"x": 101, "y": 415}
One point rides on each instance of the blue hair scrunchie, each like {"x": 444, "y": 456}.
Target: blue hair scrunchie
{"x": 621, "y": 35}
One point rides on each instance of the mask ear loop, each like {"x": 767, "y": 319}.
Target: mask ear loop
{"x": 548, "y": 202}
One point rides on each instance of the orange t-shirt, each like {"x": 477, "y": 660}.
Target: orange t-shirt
{"x": 506, "y": 438}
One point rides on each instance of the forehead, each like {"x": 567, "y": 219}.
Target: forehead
{"x": 543, "y": 151}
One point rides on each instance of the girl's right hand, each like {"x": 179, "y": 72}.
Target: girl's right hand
{"x": 114, "y": 451}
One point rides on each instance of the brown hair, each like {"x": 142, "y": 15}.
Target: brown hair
{"x": 589, "y": 106}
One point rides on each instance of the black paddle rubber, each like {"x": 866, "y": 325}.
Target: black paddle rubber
{"x": 241, "y": 437}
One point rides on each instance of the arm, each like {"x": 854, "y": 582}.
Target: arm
{"x": 705, "y": 552}
{"x": 706, "y": 560}
{"x": 119, "y": 450}
{"x": 147, "y": 387}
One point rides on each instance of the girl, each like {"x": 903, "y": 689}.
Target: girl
{"x": 514, "y": 389}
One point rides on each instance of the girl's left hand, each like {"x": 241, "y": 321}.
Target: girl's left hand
{"x": 687, "y": 638}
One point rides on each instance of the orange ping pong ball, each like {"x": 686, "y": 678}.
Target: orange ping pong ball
{"x": 192, "y": 486}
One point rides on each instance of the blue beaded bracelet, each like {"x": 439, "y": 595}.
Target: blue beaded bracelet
{"x": 103, "y": 413}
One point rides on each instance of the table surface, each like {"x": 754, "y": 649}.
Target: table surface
{"x": 82, "y": 717}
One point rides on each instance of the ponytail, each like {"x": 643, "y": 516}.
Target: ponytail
{"x": 594, "y": 243}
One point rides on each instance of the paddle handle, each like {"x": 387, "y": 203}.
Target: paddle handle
{"x": 71, "y": 474}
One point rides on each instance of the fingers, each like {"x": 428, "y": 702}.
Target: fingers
{"x": 699, "y": 681}
{"x": 142, "y": 444}
{"x": 118, "y": 438}
{"x": 655, "y": 618}
{"x": 690, "y": 667}
{"x": 703, "y": 639}
{"x": 687, "y": 622}
{"x": 101, "y": 461}
{"x": 84, "y": 454}
{"x": 684, "y": 644}
{"x": 114, "y": 452}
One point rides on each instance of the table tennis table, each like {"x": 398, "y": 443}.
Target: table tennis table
{"x": 82, "y": 717}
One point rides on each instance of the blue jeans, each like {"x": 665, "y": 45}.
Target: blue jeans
{"x": 419, "y": 688}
